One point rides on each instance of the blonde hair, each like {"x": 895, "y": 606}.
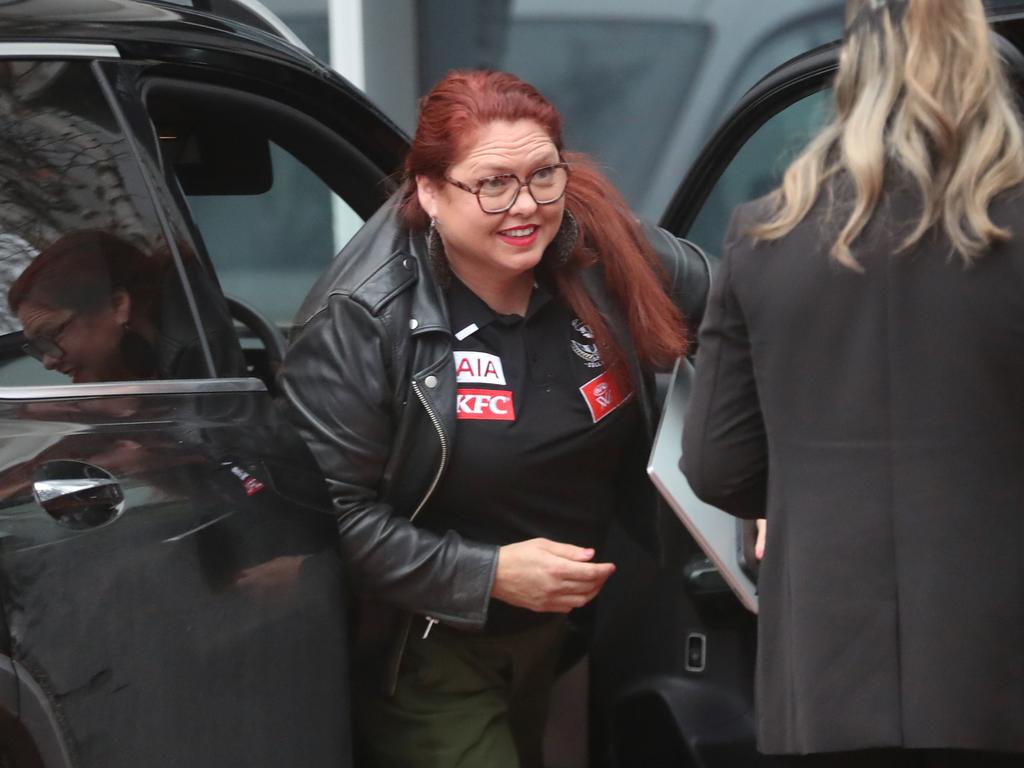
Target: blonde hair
{"x": 928, "y": 94}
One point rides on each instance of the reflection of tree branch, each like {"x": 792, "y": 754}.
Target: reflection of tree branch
{"x": 61, "y": 170}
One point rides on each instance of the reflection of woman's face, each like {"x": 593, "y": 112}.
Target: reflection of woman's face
{"x": 83, "y": 345}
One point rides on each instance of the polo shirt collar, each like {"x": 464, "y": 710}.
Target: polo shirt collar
{"x": 467, "y": 310}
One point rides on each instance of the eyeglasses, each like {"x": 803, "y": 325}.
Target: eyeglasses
{"x": 497, "y": 194}
{"x": 47, "y": 346}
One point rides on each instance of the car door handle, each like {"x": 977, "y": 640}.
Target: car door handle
{"x": 77, "y": 495}
{"x": 51, "y": 490}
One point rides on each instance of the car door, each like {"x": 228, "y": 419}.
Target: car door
{"x": 682, "y": 690}
{"x": 705, "y": 715}
{"x": 165, "y": 537}
{"x": 277, "y": 163}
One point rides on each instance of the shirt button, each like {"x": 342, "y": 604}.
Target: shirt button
{"x": 414, "y": 324}
{"x": 430, "y": 381}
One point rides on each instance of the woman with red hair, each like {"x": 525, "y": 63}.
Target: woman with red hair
{"x": 474, "y": 375}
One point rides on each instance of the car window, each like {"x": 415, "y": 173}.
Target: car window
{"x": 758, "y": 166}
{"x": 778, "y": 47}
{"x": 267, "y": 187}
{"x": 292, "y": 230}
{"x": 90, "y": 288}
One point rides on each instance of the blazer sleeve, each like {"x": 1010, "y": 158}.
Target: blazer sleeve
{"x": 336, "y": 380}
{"x": 725, "y": 451}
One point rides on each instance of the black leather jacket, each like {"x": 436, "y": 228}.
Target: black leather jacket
{"x": 370, "y": 381}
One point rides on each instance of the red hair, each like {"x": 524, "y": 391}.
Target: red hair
{"x": 449, "y": 118}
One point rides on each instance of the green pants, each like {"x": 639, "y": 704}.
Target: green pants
{"x": 465, "y": 700}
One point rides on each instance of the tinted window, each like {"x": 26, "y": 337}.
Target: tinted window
{"x": 758, "y": 167}
{"x": 90, "y": 290}
{"x": 291, "y": 232}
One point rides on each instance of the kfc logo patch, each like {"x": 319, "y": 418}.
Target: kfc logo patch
{"x": 604, "y": 393}
{"x": 478, "y": 368}
{"x": 485, "y": 405}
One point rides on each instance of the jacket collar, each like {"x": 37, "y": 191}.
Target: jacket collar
{"x": 429, "y": 307}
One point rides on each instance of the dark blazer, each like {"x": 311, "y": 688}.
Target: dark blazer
{"x": 877, "y": 419}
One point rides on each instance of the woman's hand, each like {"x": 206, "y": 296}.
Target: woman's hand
{"x": 762, "y": 532}
{"x": 547, "y": 576}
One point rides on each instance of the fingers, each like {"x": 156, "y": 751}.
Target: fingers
{"x": 568, "y": 570}
{"x": 568, "y": 551}
{"x": 548, "y": 576}
{"x": 762, "y": 532}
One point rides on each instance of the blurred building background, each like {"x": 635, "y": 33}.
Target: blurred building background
{"x": 640, "y": 84}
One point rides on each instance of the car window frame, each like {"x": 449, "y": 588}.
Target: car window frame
{"x": 99, "y": 57}
{"x": 796, "y": 79}
{"x": 365, "y": 140}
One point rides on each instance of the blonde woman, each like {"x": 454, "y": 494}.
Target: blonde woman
{"x": 860, "y": 381}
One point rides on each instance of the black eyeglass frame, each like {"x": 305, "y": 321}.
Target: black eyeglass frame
{"x": 47, "y": 346}
{"x": 519, "y": 188}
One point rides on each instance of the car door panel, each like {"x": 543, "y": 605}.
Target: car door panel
{"x": 163, "y": 543}
{"x": 182, "y": 584}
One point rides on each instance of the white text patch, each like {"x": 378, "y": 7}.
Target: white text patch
{"x": 478, "y": 368}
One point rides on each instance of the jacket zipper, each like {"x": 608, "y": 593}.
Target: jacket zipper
{"x": 430, "y": 492}
{"x": 444, "y": 448}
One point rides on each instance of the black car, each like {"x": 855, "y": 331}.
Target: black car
{"x": 170, "y": 590}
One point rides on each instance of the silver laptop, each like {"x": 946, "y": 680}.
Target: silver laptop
{"x": 727, "y": 541}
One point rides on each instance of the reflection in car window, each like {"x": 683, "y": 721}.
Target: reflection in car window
{"x": 758, "y": 167}
{"x": 88, "y": 290}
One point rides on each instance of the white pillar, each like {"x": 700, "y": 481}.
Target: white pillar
{"x": 345, "y": 40}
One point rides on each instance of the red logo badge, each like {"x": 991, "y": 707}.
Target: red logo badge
{"x": 485, "y": 404}
{"x": 604, "y": 393}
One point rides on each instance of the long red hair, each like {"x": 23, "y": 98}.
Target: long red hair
{"x": 449, "y": 118}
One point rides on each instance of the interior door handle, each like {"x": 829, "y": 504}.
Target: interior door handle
{"x": 77, "y": 495}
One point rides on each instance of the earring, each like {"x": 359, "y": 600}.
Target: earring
{"x": 563, "y": 244}
{"x": 435, "y": 250}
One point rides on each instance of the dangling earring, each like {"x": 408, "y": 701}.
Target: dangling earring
{"x": 438, "y": 259}
{"x": 560, "y": 248}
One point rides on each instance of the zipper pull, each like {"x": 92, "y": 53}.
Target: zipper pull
{"x": 430, "y": 625}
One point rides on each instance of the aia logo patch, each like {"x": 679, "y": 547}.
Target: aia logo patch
{"x": 478, "y": 368}
{"x": 604, "y": 393}
{"x": 485, "y": 405}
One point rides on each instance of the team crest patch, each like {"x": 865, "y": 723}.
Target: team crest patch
{"x": 478, "y": 368}
{"x": 485, "y": 405}
{"x": 604, "y": 393}
{"x": 582, "y": 343}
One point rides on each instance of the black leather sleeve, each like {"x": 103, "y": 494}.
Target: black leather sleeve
{"x": 338, "y": 383}
{"x": 689, "y": 274}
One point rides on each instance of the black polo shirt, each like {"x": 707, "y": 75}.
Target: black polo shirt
{"x": 541, "y": 431}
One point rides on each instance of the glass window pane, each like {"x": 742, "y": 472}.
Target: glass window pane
{"x": 290, "y": 235}
{"x": 758, "y": 167}
{"x": 90, "y": 289}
